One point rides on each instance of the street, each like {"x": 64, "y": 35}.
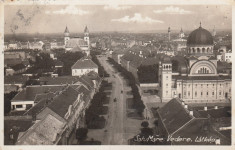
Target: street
{"x": 117, "y": 109}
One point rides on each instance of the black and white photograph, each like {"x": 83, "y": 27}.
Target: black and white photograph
{"x": 116, "y": 74}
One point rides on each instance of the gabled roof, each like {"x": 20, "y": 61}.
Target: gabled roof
{"x": 173, "y": 116}
{"x": 59, "y": 80}
{"x": 58, "y": 63}
{"x": 76, "y": 42}
{"x": 61, "y": 103}
{"x": 16, "y": 79}
{"x": 12, "y": 62}
{"x": 18, "y": 67}
{"x": 87, "y": 82}
{"x": 30, "y": 92}
{"x": 84, "y": 64}
{"x": 44, "y": 132}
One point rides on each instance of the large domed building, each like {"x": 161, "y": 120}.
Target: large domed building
{"x": 194, "y": 78}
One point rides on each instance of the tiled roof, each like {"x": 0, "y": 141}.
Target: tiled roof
{"x": 58, "y": 63}
{"x": 84, "y": 64}
{"x": 94, "y": 76}
{"x": 18, "y": 67}
{"x": 87, "y": 81}
{"x": 59, "y": 80}
{"x": 76, "y": 49}
{"x": 61, "y": 103}
{"x": 30, "y": 92}
{"x": 44, "y": 132}
{"x": 16, "y": 79}
{"x": 12, "y": 62}
{"x": 74, "y": 42}
{"x": 196, "y": 129}
{"x": 173, "y": 116}
{"x": 136, "y": 60}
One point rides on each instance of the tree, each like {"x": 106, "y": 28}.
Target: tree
{"x": 156, "y": 122}
{"x": 81, "y": 134}
{"x": 69, "y": 59}
{"x": 7, "y": 101}
{"x": 145, "y": 124}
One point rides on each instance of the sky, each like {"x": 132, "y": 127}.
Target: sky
{"x": 101, "y": 18}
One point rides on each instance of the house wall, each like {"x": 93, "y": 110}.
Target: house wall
{"x": 80, "y": 72}
{"x": 203, "y": 90}
{"x": 22, "y": 104}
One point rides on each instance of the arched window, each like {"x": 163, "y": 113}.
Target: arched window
{"x": 208, "y": 50}
{"x": 193, "y": 50}
{"x": 198, "y": 50}
{"x": 203, "y": 50}
{"x": 166, "y": 66}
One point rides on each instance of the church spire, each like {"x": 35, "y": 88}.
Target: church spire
{"x": 86, "y": 30}
{"x": 66, "y": 30}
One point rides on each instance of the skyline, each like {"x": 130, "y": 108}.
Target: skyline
{"x": 114, "y": 18}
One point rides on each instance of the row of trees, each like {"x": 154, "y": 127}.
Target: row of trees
{"x": 146, "y": 132}
{"x": 96, "y": 108}
{"x": 101, "y": 70}
{"x": 7, "y": 101}
{"x": 138, "y": 103}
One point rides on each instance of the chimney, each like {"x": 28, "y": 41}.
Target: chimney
{"x": 186, "y": 106}
{"x": 216, "y": 107}
{"x": 205, "y": 108}
{"x": 191, "y": 112}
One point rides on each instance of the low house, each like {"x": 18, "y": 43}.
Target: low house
{"x": 84, "y": 66}
{"x": 14, "y": 83}
{"x": 26, "y": 98}
{"x": 45, "y": 132}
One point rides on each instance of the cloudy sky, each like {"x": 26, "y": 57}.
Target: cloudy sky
{"x": 54, "y": 18}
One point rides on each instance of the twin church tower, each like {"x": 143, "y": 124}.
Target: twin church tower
{"x": 76, "y": 43}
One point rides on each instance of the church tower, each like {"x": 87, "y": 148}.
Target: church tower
{"x": 165, "y": 75}
{"x": 169, "y": 34}
{"x": 181, "y": 33}
{"x": 66, "y": 35}
{"x": 86, "y": 35}
{"x": 214, "y": 32}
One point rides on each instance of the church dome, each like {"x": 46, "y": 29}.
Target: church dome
{"x": 200, "y": 36}
{"x": 166, "y": 59}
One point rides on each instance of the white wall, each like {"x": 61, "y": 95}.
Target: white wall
{"x": 80, "y": 72}
{"x": 23, "y": 103}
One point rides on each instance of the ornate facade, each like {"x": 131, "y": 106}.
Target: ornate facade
{"x": 195, "y": 77}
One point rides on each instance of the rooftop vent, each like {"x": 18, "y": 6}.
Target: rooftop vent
{"x": 205, "y": 108}
{"x": 191, "y": 112}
